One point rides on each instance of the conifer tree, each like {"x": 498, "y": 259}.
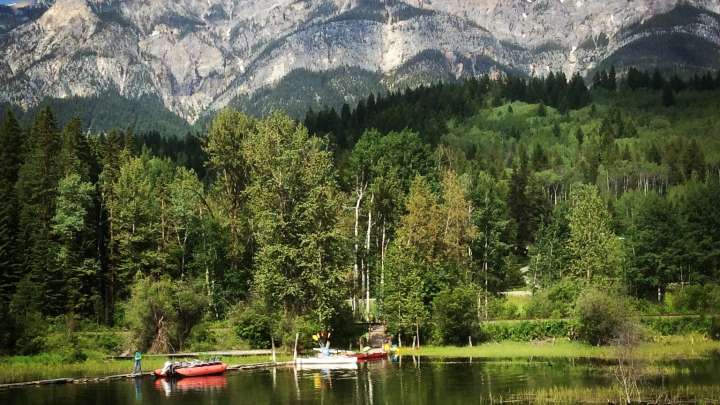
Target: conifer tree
{"x": 10, "y": 153}
{"x": 518, "y": 203}
{"x": 37, "y": 189}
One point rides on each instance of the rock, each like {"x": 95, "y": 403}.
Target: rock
{"x": 198, "y": 55}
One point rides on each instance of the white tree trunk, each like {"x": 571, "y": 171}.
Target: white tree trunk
{"x": 367, "y": 255}
{"x": 360, "y": 192}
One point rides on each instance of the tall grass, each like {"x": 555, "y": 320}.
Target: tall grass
{"x": 663, "y": 348}
{"x": 49, "y": 366}
{"x": 701, "y": 394}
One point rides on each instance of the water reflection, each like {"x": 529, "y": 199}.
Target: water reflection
{"x": 420, "y": 380}
{"x": 171, "y": 386}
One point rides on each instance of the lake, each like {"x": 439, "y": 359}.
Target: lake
{"x": 408, "y": 380}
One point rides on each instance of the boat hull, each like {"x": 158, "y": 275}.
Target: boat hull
{"x": 211, "y": 369}
{"x": 306, "y": 361}
{"x": 371, "y": 356}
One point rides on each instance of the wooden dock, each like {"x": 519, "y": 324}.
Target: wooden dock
{"x": 84, "y": 380}
{"x": 229, "y": 353}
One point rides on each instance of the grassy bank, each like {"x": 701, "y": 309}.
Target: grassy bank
{"x": 664, "y": 348}
{"x": 614, "y": 394}
{"x": 49, "y": 366}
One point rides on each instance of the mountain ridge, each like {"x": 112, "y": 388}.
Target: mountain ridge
{"x": 199, "y": 56}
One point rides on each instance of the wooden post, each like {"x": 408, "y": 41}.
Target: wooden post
{"x": 470, "y": 340}
{"x": 272, "y": 343}
{"x": 297, "y": 336}
{"x": 417, "y": 332}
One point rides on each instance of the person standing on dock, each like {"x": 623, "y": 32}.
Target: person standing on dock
{"x": 137, "y": 369}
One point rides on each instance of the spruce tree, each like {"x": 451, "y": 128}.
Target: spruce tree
{"x": 518, "y": 203}
{"x": 36, "y": 189}
{"x": 10, "y": 151}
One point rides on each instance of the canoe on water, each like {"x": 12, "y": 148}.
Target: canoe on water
{"x": 183, "y": 369}
{"x": 372, "y": 355}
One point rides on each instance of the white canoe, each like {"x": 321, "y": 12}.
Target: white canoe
{"x": 326, "y": 360}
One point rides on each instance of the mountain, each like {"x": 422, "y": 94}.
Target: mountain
{"x": 195, "y": 56}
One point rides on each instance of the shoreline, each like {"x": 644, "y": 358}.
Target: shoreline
{"x": 14, "y": 371}
{"x": 689, "y": 347}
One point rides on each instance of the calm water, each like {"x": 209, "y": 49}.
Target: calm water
{"x": 411, "y": 381}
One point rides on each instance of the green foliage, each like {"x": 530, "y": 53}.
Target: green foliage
{"x": 255, "y": 326}
{"x": 493, "y": 242}
{"x": 556, "y": 301}
{"x": 524, "y": 331}
{"x": 10, "y": 160}
{"x": 455, "y": 315}
{"x": 25, "y": 326}
{"x": 161, "y": 313}
{"x": 681, "y": 325}
{"x": 600, "y": 315}
{"x": 594, "y": 249}
{"x": 36, "y": 191}
{"x": 302, "y": 257}
{"x": 697, "y": 299}
{"x": 714, "y": 329}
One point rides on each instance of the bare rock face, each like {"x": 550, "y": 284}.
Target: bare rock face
{"x": 198, "y": 55}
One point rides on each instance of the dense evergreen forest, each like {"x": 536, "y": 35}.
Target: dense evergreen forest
{"x": 417, "y": 209}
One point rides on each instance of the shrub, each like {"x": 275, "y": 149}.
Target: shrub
{"x": 697, "y": 298}
{"x": 454, "y": 316}
{"x": 600, "y": 316}
{"x": 202, "y": 338}
{"x": 23, "y": 328}
{"x": 677, "y": 325}
{"x": 255, "y": 327}
{"x": 289, "y": 325}
{"x": 161, "y": 313}
{"x": 556, "y": 301}
{"x": 523, "y": 331}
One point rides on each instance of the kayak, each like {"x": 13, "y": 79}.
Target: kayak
{"x": 371, "y": 355}
{"x": 191, "y": 369}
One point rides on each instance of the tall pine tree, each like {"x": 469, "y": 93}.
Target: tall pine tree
{"x": 37, "y": 189}
{"x": 10, "y": 151}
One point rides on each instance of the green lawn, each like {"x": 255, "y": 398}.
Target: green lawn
{"x": 665, "y": 348}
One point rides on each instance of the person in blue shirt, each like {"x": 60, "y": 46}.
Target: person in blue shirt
{"x": 138, "y": 367}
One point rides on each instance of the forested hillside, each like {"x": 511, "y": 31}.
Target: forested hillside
{"x": 416, "y": 208}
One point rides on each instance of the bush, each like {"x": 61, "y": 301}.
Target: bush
{"x": 556, "y": 301}
{"x": 255, "y": 327}
{"x": 161, "y": 313}
{"x": 524, "y": 331}
{"x": 305, "y": 326}
{"x": 23, "y": 328}
{"x": 601, "y": 315}
{"x": 202, "y": 338}
{"x": 697, "y": 299}
{"x": 677, "y": 325}
{"x": 454, "y": 316}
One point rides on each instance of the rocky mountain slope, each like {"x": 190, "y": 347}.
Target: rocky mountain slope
{"x": 199, "y": 55}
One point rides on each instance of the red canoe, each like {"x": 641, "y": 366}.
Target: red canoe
{"x": 370, "y": 356}
{"x": 194, "y": 371}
